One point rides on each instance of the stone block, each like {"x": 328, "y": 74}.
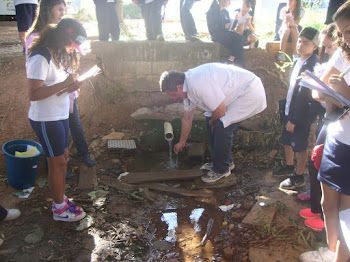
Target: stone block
{"x": 143, "y": 68}
{"x": 87, "y": 177}
{"x": 135, "y": 50}
{"x": 196, "y": 150}
{"x": 158, "y": 67}
{"x": 129, "y": 68}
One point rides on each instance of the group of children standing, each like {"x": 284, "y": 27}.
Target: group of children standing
{"x": 329, "y": 166}
{"x": 51, "y": 71}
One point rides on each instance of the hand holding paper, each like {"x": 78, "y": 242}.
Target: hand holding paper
{"x": 94, "y": 71}
{"x": 78, "y": 80}
{"x": 315, "y": 83}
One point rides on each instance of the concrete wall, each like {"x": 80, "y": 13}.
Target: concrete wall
{"x": 129, "y": 84}
{"x": 135, "y": 66}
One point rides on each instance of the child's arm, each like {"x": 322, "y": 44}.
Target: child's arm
{"x": 250, "y": 25}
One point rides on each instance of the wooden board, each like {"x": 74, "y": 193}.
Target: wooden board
{"x": 259, "y": 215}
{"x": 144, "y": 177}
{"x": 178, "y": 191}
{"x": 116, "y": 184}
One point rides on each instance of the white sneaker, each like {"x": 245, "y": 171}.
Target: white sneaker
{"x": 12, "y": 214}
{"x": 211, "y": 176}
{"x": 323, "y": 254}
{"x": 68, "y": 213}
{"x": 209, "y": 166}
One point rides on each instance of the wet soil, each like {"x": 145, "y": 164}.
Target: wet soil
{"x": 141, "y": 224}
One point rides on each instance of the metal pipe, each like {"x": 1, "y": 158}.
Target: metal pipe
{"x": 168, "y": 131}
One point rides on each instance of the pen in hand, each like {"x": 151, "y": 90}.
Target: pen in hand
{"x": 345, "y": 72}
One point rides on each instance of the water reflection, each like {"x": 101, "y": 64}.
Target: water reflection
{"x": 171, "y": 220}
{"x": 195, "y": 215}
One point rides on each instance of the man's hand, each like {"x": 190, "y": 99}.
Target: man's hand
{"x": 178, "y": 147}
{"x": 212, "y": 124}
{"x": 290, "y": 127}
{"x": 227, "y": 26}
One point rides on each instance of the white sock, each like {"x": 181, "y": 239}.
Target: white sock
{"x": 59, "y": 206}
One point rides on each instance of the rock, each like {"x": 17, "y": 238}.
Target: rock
{"x": 162, "y": 245}
{"x": 218, "y": 239}
{"x": 85, "y": 223}
{"x": 196, "y": 150}
{"x": 250, "y": 197}
{"x": 117, "y": 161}
{"x": 113, "y": 136}
{"x": 236, "y": 215}
{"x": 228, "y": 252}
{"x": 97, "y": 147}
{"x": 34, "y": 236}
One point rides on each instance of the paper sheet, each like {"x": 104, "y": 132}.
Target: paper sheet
{"x": 92, "y": 72}
{"x": 315, "y": 83}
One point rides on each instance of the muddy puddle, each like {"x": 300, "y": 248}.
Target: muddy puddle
{"x": 179, "y": 230}
{"x": 179, "y": 225}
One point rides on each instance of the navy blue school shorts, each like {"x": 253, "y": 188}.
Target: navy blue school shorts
{"x": 25, "y": 15}
{"x": 52, "y": 135}
{"x": 298, "y": 140}
{"x": 335, "y": 166}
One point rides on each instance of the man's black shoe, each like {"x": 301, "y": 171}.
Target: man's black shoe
{"x": 293, "y": 182}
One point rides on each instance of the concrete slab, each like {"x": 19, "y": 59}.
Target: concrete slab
{"x": 273, "y": 254}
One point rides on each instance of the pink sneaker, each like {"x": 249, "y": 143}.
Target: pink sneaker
{"x": 316, "y": 224}
{"x": 307, "y": 214}
{"x": 304, "y": 196}
{"x": 69, "y": 203}
{"x": 68, "y": 214}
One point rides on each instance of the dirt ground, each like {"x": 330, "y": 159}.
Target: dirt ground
{"x": 141, "y": 224}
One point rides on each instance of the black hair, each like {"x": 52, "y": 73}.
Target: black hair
{"x": 170, "y": 79}
{"x": 56, "y": 41}
{"x": 343, "y": 12}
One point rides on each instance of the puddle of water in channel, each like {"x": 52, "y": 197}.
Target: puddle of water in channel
{"x": 170, "y": 218}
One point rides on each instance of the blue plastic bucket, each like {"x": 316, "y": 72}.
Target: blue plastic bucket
{"x": 21, "y": 171}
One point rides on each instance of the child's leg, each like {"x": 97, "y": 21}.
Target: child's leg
{"x": 295, "y": 34}
{"x": 301, "y": 162}
{"x": 289, "y": 154}
{"x": 343, "y": 253}
{"x": 284, "y": 40}
{"x": 330, "y": 205}
{"x": 252, "y": 38}
{"x": 57, "y": 177}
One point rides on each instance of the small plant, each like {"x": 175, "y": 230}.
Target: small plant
{"x": 285, "y": 64}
